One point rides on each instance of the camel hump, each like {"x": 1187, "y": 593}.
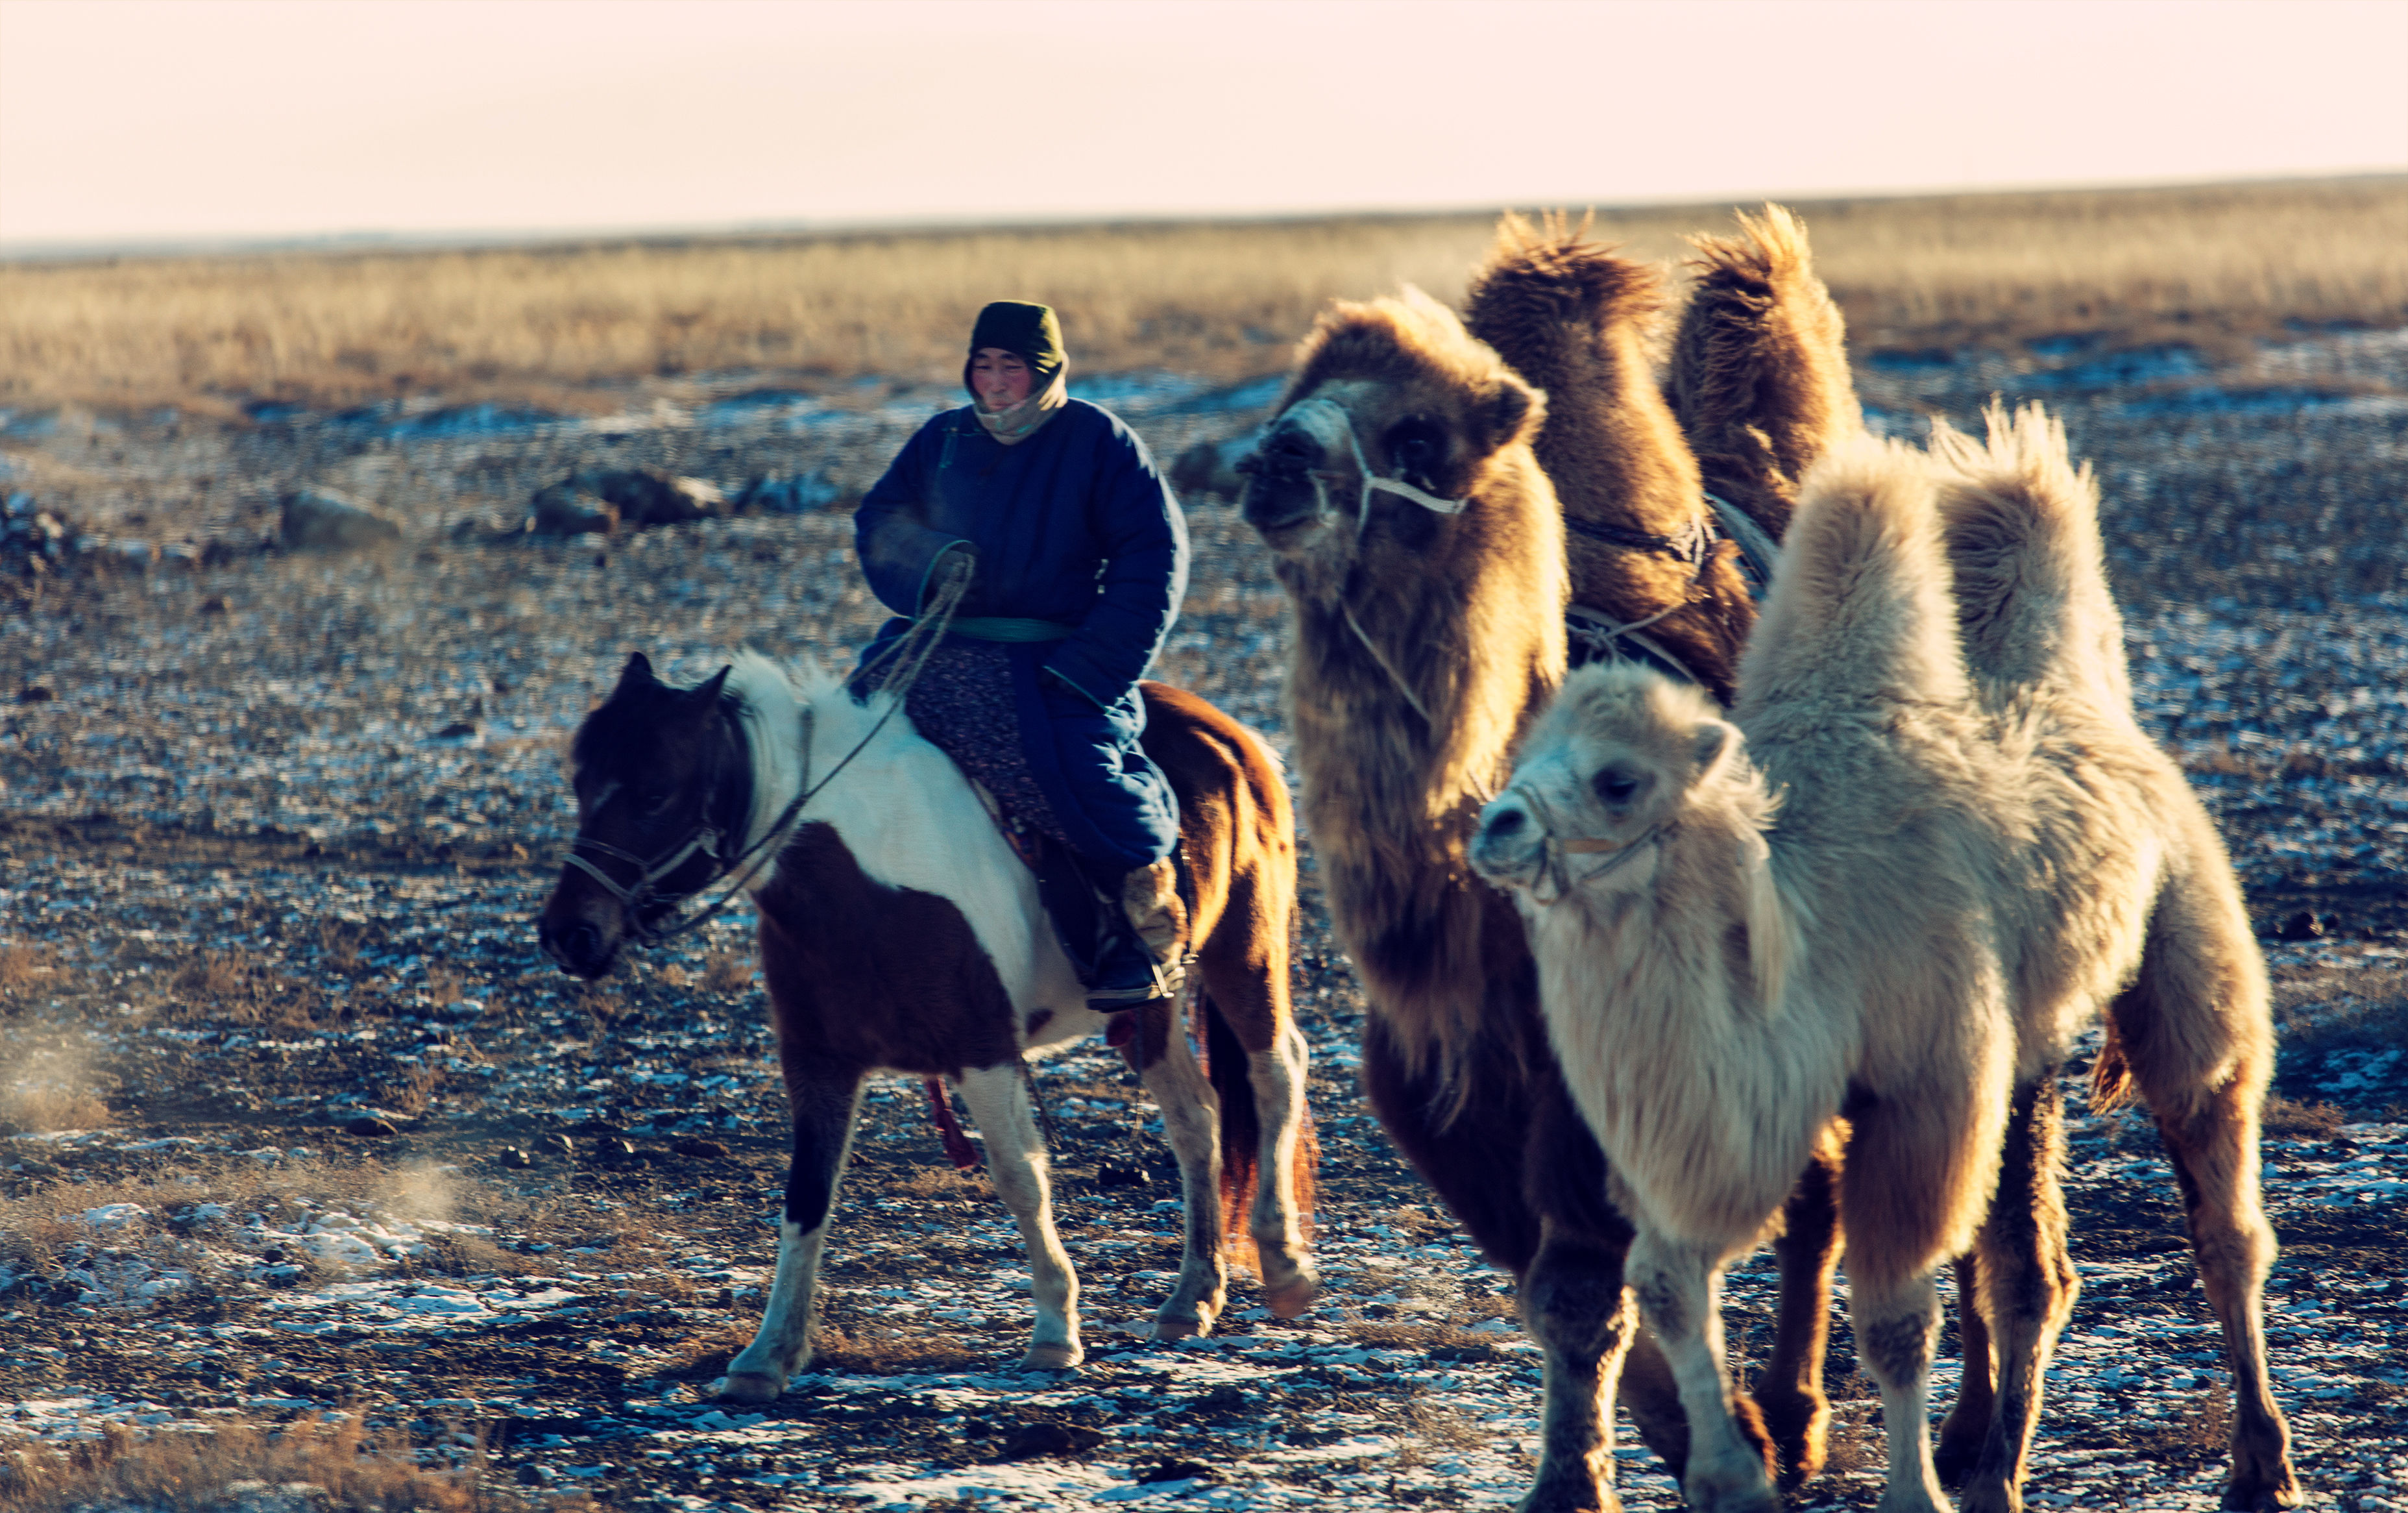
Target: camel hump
{"x": 1759, "y": 377}
{"x": 1203, "y": 751}
{"x": 2021, "y": 522}
{"x": 1860, "y": 611}
{"x": 1545, "y": 282}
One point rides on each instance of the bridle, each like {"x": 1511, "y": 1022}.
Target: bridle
{"x": 705, "y": 838}
{"x": 909, "y": 653}
{"x": 1555, "y": 876}
{"x": 1326, "y": 418}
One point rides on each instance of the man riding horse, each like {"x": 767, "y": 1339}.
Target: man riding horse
{"x": 1071, "y": 558}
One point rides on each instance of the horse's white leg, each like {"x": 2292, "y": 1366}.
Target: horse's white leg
{"x": 1278, "y": 1074}
{"x": 1191, "y": 1122}
{"x": 1016, "y": 1159}
{"x": 1897, "y": 1326}
{"x": 1679, "y": 1288}
{"x": 826, "y": 1110}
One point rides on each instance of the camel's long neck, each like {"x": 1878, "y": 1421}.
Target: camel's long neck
{"x": 1397, "y": 751}
{"x": 1680, "y": 1029}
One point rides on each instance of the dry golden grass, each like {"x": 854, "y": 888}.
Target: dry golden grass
{"x": 556, "y": 325}
{"x": 335, "y": 1467}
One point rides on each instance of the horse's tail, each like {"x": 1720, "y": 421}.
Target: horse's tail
{"x": 2022, "y": 523}
{"x": 1230, "y": 1071}
{"x": 1241, "y": 1125}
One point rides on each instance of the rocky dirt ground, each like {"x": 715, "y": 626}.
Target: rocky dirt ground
{"x": 299, "y": 1122}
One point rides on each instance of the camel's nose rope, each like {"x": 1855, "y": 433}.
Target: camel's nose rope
{"x": 1556, "y": 876}
{"x": 1328, "y": 420}
{"x": 1325, "y": 420}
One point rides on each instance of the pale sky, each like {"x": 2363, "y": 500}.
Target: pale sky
{"x": 131, "y": 120}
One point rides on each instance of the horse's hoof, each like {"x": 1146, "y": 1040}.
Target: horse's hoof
{"x": 1053, "y": 1357}
{"x": 1578, "y": 1500}
{"x": 1176, "y": 1327}
{"x": 751, "y": 1386}
{"x": 1289, "y": 1299}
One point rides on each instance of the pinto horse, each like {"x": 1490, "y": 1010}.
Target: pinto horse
{"x": 900, "y": 932}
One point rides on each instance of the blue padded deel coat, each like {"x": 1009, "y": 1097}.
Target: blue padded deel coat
{"x": 1074, "y": 525}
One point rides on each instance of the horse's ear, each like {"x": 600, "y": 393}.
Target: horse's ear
{"x": 638, "y": 673}
{"x": 708, "y": 692}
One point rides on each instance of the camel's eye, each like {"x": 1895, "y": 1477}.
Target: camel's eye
{"x": 1615, "y": 786}
{"x": 1418, "y": 448}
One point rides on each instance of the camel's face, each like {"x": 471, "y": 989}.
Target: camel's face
{"x": 1604, "y": 772}
{"x": 1306, "y": 481}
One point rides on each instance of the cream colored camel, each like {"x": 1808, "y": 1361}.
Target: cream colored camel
{"x": 1972, "y": 851}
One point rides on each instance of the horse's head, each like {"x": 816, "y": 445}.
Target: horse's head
{"x": 662, "y": 792}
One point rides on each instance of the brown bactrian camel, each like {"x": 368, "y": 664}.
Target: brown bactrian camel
{"x": 1575, "y": 320}
{"x": 1643, "y": 549}
{"x": 1423, "y": 548}
{"x": 1759, "y": 377}
{"x": 1886, "y": 902}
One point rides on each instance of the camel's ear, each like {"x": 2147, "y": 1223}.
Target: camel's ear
{"x": 1513, "y": 413}
{"x": 1718, "y": 744}
{"x": 638, "y": 673}
{"x": 707, "y": 694}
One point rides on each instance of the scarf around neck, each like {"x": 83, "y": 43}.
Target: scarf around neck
{"x": 1022, "y": 421}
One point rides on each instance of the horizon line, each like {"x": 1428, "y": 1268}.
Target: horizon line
{"x": 368, "y": 240}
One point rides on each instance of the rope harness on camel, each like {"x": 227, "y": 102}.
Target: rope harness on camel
{"x": 1595, "y": 636}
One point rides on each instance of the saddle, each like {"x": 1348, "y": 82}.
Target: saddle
{"x": 1073, "y": 902}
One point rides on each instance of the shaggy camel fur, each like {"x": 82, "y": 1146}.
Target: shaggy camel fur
{"x": 1423, "y": 547}
{"x": 1760, "y": 366}
{"x": 1574, "y": 320}
{"x": 1976, "y": 849}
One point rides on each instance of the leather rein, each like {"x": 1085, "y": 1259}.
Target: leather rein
{"x": 910, "y": 653}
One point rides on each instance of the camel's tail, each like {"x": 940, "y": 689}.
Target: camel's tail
{"x": 1861, "y": 609}
{"x": 2022, "y": 528}
{"x": 1759, "y": 375}
{"x": 1226, "y": 1064}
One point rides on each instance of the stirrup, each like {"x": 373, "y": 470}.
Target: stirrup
{"x": 1165, "y": 987}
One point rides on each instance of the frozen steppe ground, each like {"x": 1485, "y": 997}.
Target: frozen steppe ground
{"x": 274, "y": 828}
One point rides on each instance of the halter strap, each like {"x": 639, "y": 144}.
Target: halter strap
{"x": 1325, "y": 417}
{"x": 1556, "y": 876}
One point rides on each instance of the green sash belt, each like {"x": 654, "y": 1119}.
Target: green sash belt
{"x": 1009, "y": 627}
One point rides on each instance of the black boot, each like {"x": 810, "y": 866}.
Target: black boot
{"x": 1120, "y": 972}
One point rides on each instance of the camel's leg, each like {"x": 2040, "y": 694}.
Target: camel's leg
{"x": 1576, "y": 1300}
{"x": 1277, "y": 1074}
{"x": 1968, "y": 1423}
{"x": 1518, "y": 1149}
{"x": 1016, "y": 1160}
{"x": 2028, "y": 1289}
{"x": 2193, "y": 1028}
{"x": 1679, "y": 1288}
{"x": 1790, "y": 1392}
{"x": 1896, "y": 1327}
{"x": 826, "y": 1105}
{"x": 1914, "y": 1169}
{"x": 1191, "y": 1121}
